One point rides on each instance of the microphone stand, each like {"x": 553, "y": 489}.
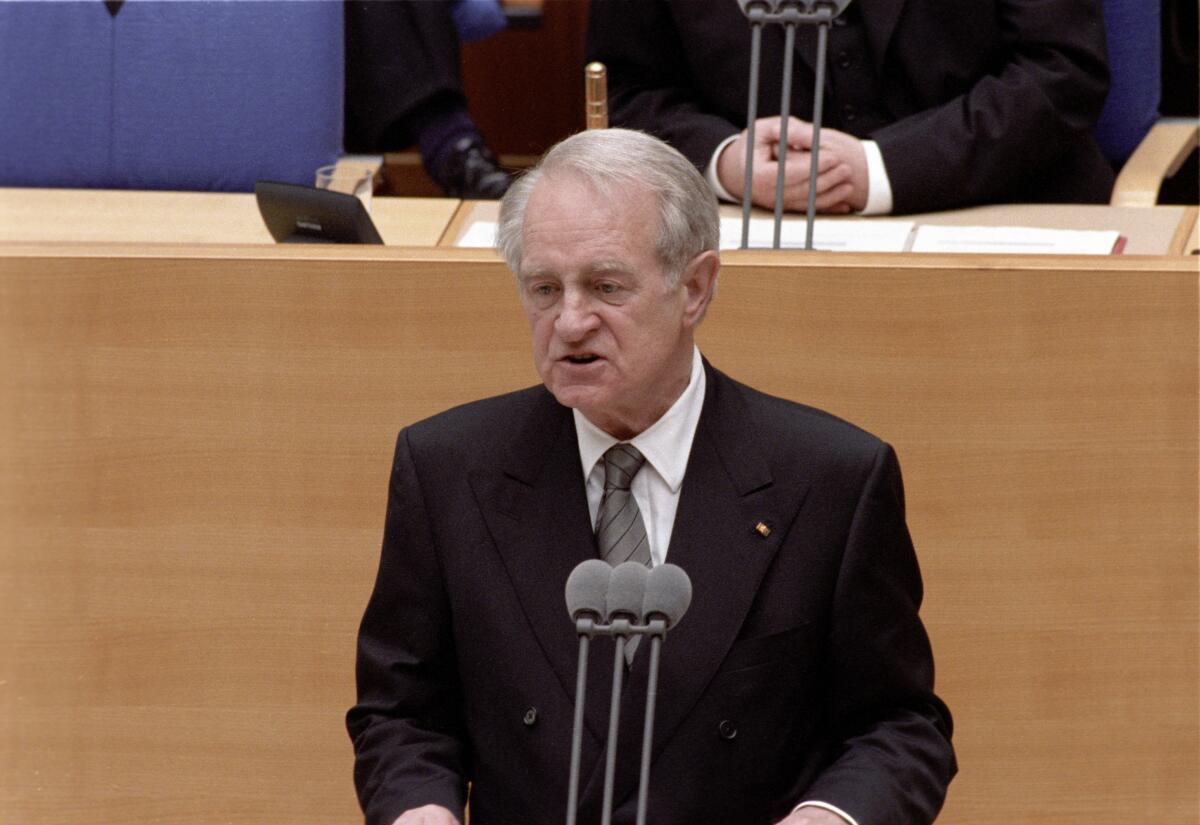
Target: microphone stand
{"x": 585, "y": 628}
{"x": 789, "y": 13}
{"x": 661, "y": 597}
{"x": 657, "y": 629}
{"x": 621, "y": 629}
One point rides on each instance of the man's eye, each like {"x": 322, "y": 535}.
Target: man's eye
{"x": 543, "y": 290}
{"x": 608, "y": 288}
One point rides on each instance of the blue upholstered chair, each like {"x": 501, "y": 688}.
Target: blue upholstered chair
{"x": 1144, "y": 147}
{"x": 1134, "y": 42}
{"x": 210, "y": 95}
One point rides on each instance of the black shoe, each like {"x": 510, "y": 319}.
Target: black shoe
{"x": 470, "y": 171}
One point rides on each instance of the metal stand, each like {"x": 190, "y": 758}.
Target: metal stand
{"x": 621, "y": 629}
{"x": 789, "y": 14}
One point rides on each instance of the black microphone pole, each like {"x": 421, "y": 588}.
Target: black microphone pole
{"x": 658, "y": 629}
{"x": 668, "y": 594}
{"x": 824, "y": 17}
{"x": 586, "y": 592}
{"x": 584, "y": 627}
{"x": 757, "y": 12}
{"x": 790, "y": 16}
{"x": 789, "y": 13}
{"x": 626, "y": 594}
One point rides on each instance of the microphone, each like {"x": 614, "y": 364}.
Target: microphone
{"x": 626, "y": 593}
{"x": 667, "y": 597}
{"x": 627, "y": 602}
{"x": 789, "y": 13}
{"x": 586, "y": 594}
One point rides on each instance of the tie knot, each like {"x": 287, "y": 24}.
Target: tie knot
{"x": 621, "y": 463}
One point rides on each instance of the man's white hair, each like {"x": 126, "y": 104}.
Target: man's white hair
{"x": 616, "y": 160}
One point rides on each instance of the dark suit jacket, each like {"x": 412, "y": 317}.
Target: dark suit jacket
{"x": 974, "y": 101}
{"x": 801, "y": 670}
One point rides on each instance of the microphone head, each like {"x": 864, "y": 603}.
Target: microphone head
{"x": 587, "y": 589}
{"x": 626, "y": 590}
{"x": 805, "y": 6}
{"x": 766, "y": 5}
{"x": 668, "y": 594}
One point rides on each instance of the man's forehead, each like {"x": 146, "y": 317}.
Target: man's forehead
{"x": 618, "y": 196}
{"x": 597, "y": 266}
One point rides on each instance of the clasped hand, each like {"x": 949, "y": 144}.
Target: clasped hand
{"x": 841, "y": 167}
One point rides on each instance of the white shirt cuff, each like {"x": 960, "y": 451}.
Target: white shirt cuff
{"x": 710, "y": 173}
{"x": 812, "y": 803}
{"x": 879, "y": 188}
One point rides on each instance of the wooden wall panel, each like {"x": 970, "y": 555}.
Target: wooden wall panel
{"x": 194, "y": 447}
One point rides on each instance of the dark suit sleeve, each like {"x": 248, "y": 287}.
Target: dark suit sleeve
{"x": 650, "y": 85}
{"x": 406, "y": 726}
{"x": 1021, "y": 129}
{"x": 893, "y": 760}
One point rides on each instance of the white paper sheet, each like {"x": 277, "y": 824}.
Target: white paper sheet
{"x": 479, "y": 235}
{"x": 1021, "y": 240}
{"x": 845, "y": 235}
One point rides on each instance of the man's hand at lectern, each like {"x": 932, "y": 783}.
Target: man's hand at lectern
{"x": 427, "y": 815}
{"x": 841, "y": 169}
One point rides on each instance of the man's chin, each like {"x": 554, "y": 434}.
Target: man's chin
{"x": 577, "y": 396}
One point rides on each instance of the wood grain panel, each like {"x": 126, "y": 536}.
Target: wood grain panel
{"x": 145, "y": 217}
{"x": 193, "y": 462}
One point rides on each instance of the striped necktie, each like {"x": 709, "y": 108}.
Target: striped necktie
{"x": 620, "y": 533}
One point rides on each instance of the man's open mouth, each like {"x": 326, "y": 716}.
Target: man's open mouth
{"x": 582, "y": 359}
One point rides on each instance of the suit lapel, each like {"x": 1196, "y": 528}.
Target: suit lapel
{"x": 878, "y": 19}
{"x": 727, "y": 491}
{"x": 536, "y": 511}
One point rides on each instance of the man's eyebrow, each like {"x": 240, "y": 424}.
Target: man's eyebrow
{"x": 609, "y": 266}
{"x": 536, "y": 272}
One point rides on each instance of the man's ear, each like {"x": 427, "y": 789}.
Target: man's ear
{"x": 699, "y": 282}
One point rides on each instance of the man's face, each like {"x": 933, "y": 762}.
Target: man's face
{"x": 610, "y": 338}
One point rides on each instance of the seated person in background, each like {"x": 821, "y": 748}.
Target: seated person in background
{"x": 928, "y": 106}
{"x": 403, "y": 87}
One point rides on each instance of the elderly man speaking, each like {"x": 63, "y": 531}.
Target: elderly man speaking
{"x": 800, "y": 687}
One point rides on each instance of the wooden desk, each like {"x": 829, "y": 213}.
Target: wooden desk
{"x": 194, "y": 451}
{"x": 1159, "y": 230}
{"x": 122, "y": 216}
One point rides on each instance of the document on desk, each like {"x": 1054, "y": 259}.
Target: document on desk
{"x": 480, "y": 235}
{"x": 836, "y": 235}
{"x": 1018, "y": 240}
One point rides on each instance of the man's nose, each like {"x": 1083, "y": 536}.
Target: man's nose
{"x": 577, "y": 317}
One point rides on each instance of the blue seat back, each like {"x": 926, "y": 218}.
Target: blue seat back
{"x": 194, "y": 94}
{"x": 1135, "y": 65}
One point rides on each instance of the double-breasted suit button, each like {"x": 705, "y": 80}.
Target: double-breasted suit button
{"x": 530, "y": 719}
{"x": 727, "y": 729}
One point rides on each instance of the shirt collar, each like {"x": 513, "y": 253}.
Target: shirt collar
{"x": 666, "y": 443}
